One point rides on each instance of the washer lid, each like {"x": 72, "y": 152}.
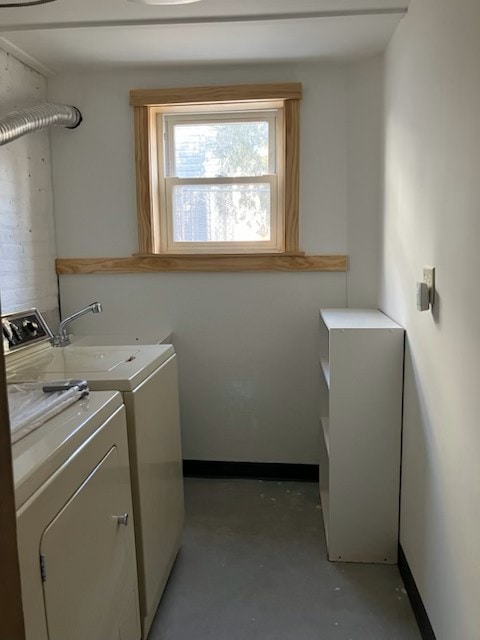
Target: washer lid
{"x": 37, "y": 456}
{"x": 119, "y": 368}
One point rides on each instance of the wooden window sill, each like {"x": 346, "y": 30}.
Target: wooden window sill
{"x": 203, "y": 263}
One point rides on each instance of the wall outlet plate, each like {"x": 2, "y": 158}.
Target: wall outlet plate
{"x": 429, "y": 279}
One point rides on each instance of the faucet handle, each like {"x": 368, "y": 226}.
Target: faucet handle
{"x": 60, "y": 340}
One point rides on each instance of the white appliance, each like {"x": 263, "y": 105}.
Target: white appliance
{"x": 76, "y": 550}
{"x": 147, "y": 378}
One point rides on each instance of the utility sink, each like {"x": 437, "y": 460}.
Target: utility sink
{"x": 81, "y": 359}
{"x": 142, "y": 338}
{"x": 108, "y": 367}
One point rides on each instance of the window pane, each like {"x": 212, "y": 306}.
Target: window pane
{"x": 226, "y": 149}
{"x": 221, "y": 213}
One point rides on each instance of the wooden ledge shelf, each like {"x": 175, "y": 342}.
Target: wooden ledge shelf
{"x": 207, "y": 263}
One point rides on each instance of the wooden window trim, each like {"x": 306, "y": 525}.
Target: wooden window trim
{"x": 205, "y": 95}
{"x": 292, "y": 175}
{"x": 146, "y": 104}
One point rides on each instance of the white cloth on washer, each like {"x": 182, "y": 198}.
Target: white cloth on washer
{"x": 29, "y": 406}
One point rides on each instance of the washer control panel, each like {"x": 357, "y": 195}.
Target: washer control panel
{"x": 23, "y": 329}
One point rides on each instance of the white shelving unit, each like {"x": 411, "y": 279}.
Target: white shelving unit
{"x": 361, "y": 365}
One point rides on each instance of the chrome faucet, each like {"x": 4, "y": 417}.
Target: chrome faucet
{"x": 61, "y": 338}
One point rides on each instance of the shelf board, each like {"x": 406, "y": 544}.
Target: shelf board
{"x": 325, "y": 367}
{"x": 356, "y": 319}
{"x": 325, "y": 424}
{"x": 152, "y": 263}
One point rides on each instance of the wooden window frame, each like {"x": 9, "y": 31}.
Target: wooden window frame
{"x": 147, "y": 104}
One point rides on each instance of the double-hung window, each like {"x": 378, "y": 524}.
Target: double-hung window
{"x": 221, "y": 188}
{"x": 217, "y": 170}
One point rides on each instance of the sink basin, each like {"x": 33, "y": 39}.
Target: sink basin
{"x": 84, "y": 358}
{"x": 81, "y": 359}
{"x": 143, "y": 338}
{"x": 109, "y": 367}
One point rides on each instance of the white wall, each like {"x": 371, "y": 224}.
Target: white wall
{"x": 246, "y": 342}
{"x": 364, "y": 158}
{"x": 27, "y": 241}
{"x": 432, "y": 215}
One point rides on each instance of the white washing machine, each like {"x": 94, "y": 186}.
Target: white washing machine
{"x": 147, "y": 378}
{"x": 76, "y": 550}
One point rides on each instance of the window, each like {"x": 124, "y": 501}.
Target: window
{"x": 217, "y": 170}
{"x": 221, "y": 186}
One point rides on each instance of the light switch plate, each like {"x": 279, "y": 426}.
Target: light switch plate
{"x": 429, "y": 279}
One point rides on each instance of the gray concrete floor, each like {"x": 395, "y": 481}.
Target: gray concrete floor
{"x": 253, "y": 567}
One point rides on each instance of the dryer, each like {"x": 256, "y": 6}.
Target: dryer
{"x": 76, "y": 554}
{"x": 147, "y": 378}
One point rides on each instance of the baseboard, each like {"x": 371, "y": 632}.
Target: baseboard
{"x": 414, "y": 597}
{"x": 252, "y": 470}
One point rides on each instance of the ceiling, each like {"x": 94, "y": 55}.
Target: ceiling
{"x": 70, "y": 34}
